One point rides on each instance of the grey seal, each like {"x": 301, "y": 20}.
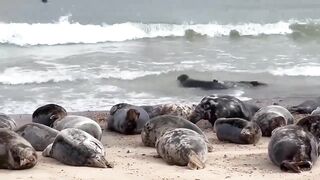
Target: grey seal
{"x": 7, "y": 122}
{"x": 316, "y": 111}
{"x": 292, "y": 148}
{"x": 270, "y": 117}
{"x": 80, "y": 122}
{"x": 183, "y": 147}
{"x": 77, "y": 148}
{"x": 237, "y": 130}
{"x": 311, "y": 123}
{"x": 38, "y": 135}
{"x": 48, "y": 113}
{"x": 15, "y": 151}
{"x": 305, "y": 107}
{"x": 181, "y": 110}
{"x": 127, "y": 119}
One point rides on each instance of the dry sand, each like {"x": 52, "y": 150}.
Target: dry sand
{"x": 134, "y": 161}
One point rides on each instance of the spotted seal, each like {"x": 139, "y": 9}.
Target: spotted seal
{"x": 292, "y": 148}
{"x": 48, "y": 113}
{"x": 183, "y": 147}
{"x": 77, "y": 148}
{"x": 218, "y": 106}
{"x": 80, "y": 122}
{"x": 127, "y": 119}
{"x": 270, "y": 117}
{"x": 38, "y": 135}
{"x": 7, "y": 122}
{"x": 237, "y": 130}
{"x": 15, "y": 151}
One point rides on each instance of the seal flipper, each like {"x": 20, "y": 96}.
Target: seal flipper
{"x": 47, "y": 151}
{"x": 194, "y": 161}
{"x": 295, "y": 166}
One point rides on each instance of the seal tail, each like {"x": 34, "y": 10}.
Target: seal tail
{"x": 194, "y": 161}
{"x": 296, "y": 167}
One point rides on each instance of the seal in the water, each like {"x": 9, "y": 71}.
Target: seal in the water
{"x": 157, "y": 126}
{"x": 237, "y": 130}
{"x": 183, "y": 147}
{"x": 316, "y": 111}
{"x": 15, "y": 151}
{"x": 7, "y": 122}
{"x": 47, "y": 114}
{"x": 127, "y": 119}
{"x": 306, "y": 107}
{"x": 293, "y": 148}
{"x": 80, "y": 122}
{"x": 270, "y": 117}
{"x": 218, "y": 106}
{"x": 311, "y": 123}
{"x": 76, "y": 147}
{"x": 38, "y": 135}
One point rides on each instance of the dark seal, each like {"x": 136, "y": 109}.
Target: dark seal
{"x": 77, "y": 148}
{"x": 38, "y": 135}
{"x": 270, "y": 117}
{"x": 127, "y": 119}
{"x": 183, "y": 147}
{"x": 15, "y": 151}
{"x": 237, "y": 131}
{"x": 311, "y": 123}
{"x": 306, "y": 107}
{"x": 292, "y": 148}
{"x": 218, "y": 106}
{"x": 7, "y": 122}
{"x": 47, "y": 114}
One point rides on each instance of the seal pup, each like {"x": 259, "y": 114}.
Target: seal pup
{"x": 237, "y": 130}
{"x": 15, "y": 151}
{"x": 270, "y": 117}
{"x": 80, "y": 122}
{"x": 306, "y": 107}
{"x": 181, "y": 110}
{"x": 7, "y": 122}
{"x": 311, "y": 123}
{"x": 127, "y": 119}
{"x": 38, "y": 135}
{"x": 48, "y": 113}
{"x": 157, "y": 126}
{"x": 213, "y": 107}
{"x": 77, "y": 148}
{"x": 183, "y": 147}
{"x": 292, "y": 148}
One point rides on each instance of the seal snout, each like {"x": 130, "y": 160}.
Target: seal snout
{"x": 296, "y": 167}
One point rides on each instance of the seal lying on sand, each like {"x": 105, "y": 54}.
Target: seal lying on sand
{"x": 183, "y": 147}
{"x": 293, "y": 148}
{"x": 306, "y": 107}
{"x": 217, "y": 106}
{"x": 187, "y": 82}
{"x": 7, "y": 122}
{"x": 157, "y": 126}
{"x": 47, "y": 114}
{"x": 127, "y": 119}
{"x": 38, "y": 135}
{"x": 80, "y": 122}
{"x": 15, "y": 151}
{"x": 311, "y": 124}
{"x": 237, "y": 130}
{"x": 77, "y": 148}
{"x": 270, "y": 117}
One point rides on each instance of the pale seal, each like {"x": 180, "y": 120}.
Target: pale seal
{"x": 181, "y": 110}
{"x": 77, "y": 148}
{"x": 270, "y": 117}
{"x": 38, "y": 135}
{"x": 183, "y": 147}
{"x": 237, "y": 130}
{"x": 7, "y": 122}
{"x": 48, "y": 113}
{"x": 15, "y": 151}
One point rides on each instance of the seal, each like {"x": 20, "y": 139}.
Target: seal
{"x": 38, "y": 135}
{"x": 48, "y": 113}
{"x": 157, "y": 126}
{"x": 127, "y": 119}
{"x": 316, "y": 111}
{"x": 77, "y": 148}
{"x": 237, "y": 130}
{"x": 7, "y": 122}
{"x": 270, "y": 117}
{"x": 311, "y": 123}
{"x": 183, "y": 147}
{"x": 15, "y": 151}
{"x": 213, "y": 107}
{"x": 292, "y": 148}
{"x": 80, "y": 122}
{"x": 305, "y": 107}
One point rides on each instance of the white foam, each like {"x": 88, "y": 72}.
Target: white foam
{"x": 299, "y": 70}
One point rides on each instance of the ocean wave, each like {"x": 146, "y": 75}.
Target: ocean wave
{"x": 300, "y": 70}
{"x": 66, "y": 32}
